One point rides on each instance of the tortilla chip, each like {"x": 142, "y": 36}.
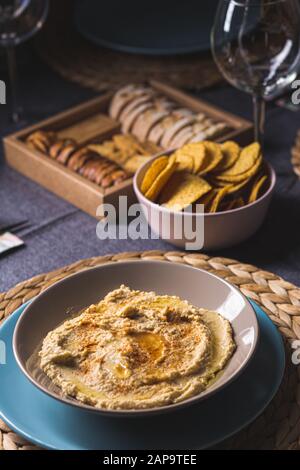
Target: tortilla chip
{"x": 219, "y": 196}
{"x": 235, "y": 187}
{"x": 170, "y": 189}
{"x": 158, "y": 165}
{"x": 135, "y": 162}
{"x": 162, "y": 178}
{"x": 234, "y": 204}
{"x": 244, "y": 164}
{"x": 195, "y": 154}
{"x": 213, "y": 156}
{"x": 128, "y": 144}
{"x": 207, "y": 199}
{"x": 216, "y": 183}
{"x": 185, "y": 161}
{"x": 105, "y": 149}
{"x": 233, "y": 177}
{"x": 256, "y": 188}
{"x": 238, "y": 178}
{"x": 124, "y": 147}
{"x": 150, "y": 148}
{"x": 238, "y": 203}
{"x": 230, "y": 153}
{"x": 198, "y": 155}
{"x": 184, "y": 189}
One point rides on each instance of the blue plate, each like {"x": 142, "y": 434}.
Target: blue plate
{"x": 54, "y": 425}
{"x": 153, "y": 28}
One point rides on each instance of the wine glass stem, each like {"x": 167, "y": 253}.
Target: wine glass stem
{"x": 12, "y": 71}
{"x": 259, "y": 118}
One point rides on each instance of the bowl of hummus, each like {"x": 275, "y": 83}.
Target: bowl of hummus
{"x": 171, "y": 336}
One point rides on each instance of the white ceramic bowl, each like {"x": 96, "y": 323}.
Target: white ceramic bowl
{"x": 221, "y": 229}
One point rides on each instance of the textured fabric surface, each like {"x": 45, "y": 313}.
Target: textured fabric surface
{"x": 60, "y": 234}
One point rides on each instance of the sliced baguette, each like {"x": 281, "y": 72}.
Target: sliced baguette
{"x": 124, "y": 96}
{"x": 173, "y": 130}
{"x": 146, "y": 121}
{"x": 182, "y": 137}
{"x": 159, "y": 129}
{"x": 131, "y": 118}
{"x": 133, "y": 105}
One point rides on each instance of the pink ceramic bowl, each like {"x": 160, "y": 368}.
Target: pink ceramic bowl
{"x": 220, "y": 229}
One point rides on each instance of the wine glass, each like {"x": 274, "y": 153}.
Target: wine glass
{"x": 19, "y": 20}
{"x": 256, "y": 45}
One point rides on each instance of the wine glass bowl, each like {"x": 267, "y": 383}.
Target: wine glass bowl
{"x": 19, "y": 20}
{"x": 256, "y": 45}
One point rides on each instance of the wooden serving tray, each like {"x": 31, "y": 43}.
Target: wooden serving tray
{"x": 87, "y": 122}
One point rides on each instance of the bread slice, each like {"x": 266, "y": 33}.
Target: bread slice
{"x": 132, "y": 105}
{"x": 79, "y": 158}
{"x": 196, "y": 128}
{"x": 198, "y": 137}
{"x": 133, "y": 115}
{"x": 164, "y": 104}
{"x": 182, "y": 137}
{"x": 173, "y": 130}
{"x": 156, "y": 118}
{"x": 162, "y": 107}
{"x": 212, "y": 131}
{"x": 159, "y": 129}
{"x": 183, "y": 112}
{"x": 217, "y": 130}
{"x": 146, "y": 121}
{"x": 65, "y": 153}
{"x": 124, "y": 96}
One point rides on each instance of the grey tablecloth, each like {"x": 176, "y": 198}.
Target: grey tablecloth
{"x": 60, "y": 233}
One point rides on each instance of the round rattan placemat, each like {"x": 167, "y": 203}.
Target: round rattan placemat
{"x": 78, "y": 60}
{"x": 279, "y": 426}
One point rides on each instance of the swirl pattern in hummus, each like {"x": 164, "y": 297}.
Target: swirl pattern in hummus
{"x": 136, "y": 350}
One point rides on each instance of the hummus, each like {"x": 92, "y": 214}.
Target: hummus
{"x": 137, "y": 350}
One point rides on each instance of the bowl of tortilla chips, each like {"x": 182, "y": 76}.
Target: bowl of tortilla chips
{"x": 206, "y": 195}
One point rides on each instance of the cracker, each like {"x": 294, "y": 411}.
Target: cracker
{"x": 219, "y": 196}
{"x": 195, "y": 153}
{"x": 234, "y": 204}
{"x": 183, "y": 189}
{"x": 135, "y": 162}
{"x": 258, "y": 184}
{"x": 185, "y": 162}
{"x": 247, "y": 160}
{"x": 230, "y": 154}
{"x": 213, "y": 157}
{"x": 158, "y": 165}
{"x": 238, "y": 178}
{"x": 162, "y": 178}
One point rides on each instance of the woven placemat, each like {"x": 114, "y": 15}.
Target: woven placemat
{"x": 279, "y": 426}
{"x": 78, "y": 60}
